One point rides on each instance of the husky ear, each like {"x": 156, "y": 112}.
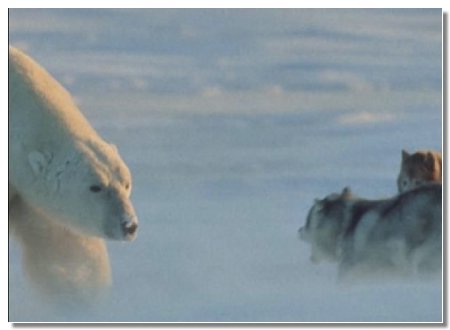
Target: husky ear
{"x": 38, "y": 162}
{"x": 405, "y": 155}
{"x": 346, "y": 192}
{"x": 430, "y": 161}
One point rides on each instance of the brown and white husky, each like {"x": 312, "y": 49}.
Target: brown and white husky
{"x": 421, "y": 167}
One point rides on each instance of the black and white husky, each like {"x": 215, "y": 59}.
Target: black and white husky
{"x": 401, "y": 235}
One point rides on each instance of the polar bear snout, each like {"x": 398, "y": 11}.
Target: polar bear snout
{"x": 122, "y": 229}
{"x": 121, "y": 219}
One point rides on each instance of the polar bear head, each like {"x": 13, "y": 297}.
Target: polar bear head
{"x": 88, "y": 187}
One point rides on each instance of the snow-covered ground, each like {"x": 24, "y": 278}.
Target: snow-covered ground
{"x": 232, "y": 122}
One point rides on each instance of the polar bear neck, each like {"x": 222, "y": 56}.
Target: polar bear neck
{"x": 33, "y": 89}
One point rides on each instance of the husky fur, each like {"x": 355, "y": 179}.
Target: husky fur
{"x": 419, "y": 168}
{"x": 397, "y": 236}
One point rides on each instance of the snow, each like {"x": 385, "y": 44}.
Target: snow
{"x": 232, "y": 122}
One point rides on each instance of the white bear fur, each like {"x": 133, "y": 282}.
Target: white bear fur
{"x": 68, "y": 188}
{"x": 62, "y": 264}
{"x": 55, "y": 156}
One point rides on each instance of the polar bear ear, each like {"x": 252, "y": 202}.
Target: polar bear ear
{"x": 37, "y": 161}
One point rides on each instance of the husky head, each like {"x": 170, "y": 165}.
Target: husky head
{"x": 419, "y": 168}
{"x": 324, "y": 226}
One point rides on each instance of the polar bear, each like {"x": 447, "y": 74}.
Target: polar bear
{"x": 62, "y": 174}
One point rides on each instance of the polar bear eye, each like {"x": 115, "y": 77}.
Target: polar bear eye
{"x": 127, "y": 186}
{"x": 95, "y": 188}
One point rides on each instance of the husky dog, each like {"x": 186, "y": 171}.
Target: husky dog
{"x": 397, "y": 236}
{"x": 419, "y": 168}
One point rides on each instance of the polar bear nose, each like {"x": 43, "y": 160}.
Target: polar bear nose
{"x": 129, "y": 228}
